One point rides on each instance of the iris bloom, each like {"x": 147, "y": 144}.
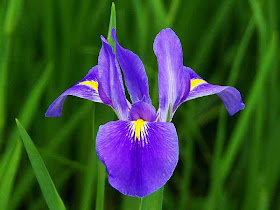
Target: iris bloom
{"x": 140, "y": 150}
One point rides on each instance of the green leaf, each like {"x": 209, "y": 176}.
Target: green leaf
{"x": 33, "y": 100}
{"x": 8, "y": 174}
{"x": 113, "y": 24}
{"x": 27, "y": 178}
{"x": 46, "y": 184}
{"x": 239, "y": 132}
{"x": 12, "y": 17}
{"x": 204, "y": 48}
{"x": 4, "y": 61}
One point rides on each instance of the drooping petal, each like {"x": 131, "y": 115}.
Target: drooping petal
{"x": 86, "y": 88}
{"x": 173, "y": 89}
{"x": 230, "y": 96}
{"x": 142, "y": 110}
{"x": 133, "y": 69}
{"x": 111, "y": 84}
{"x": 140, "y": 156}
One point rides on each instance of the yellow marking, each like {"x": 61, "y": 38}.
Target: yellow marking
{"x": 138, "y": 127}
{"x": 91, "y": 84}
{"x": 196, "y": 82}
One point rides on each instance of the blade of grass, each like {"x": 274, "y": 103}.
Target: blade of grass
{"x": 213, "y": 29}
{"x": 27, "y": 179}
{"x": 234, "y": 73}
{"x": 172, "y": 12}
{"x": 260, "y": 21}
{"x": 241, "y": 127}
{"x": 4, "y": 60}
{"x": 158, "y": 9}
{"x": 61, "y": 180}
{"x": 259, "y": 82}
{"x": 5, "y": 159}
{"x": 7, "y": 180}
{"x": 28, "y": 111}
{"x": 254, "y": 185}
{"x": 271, "y": 165}
{"x": 62, "y": 160}
{"x": 186, "y": 185}
{"x": 11, "y": 20}
{"x": 46, "y": 184}
{"x": 13, "y": 13}
{"x": 141, "y": 16}
{"x": 49, "y": 29}
{"x": 86, "y": 202}
{"x": 32, "y": 102}
{"x": 81, "y": 16}
{"x": 273, "y": 19}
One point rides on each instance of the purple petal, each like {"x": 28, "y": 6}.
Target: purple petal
{"x": 138, "y": 166}
{"x": 142, "y": 110}
{"x": 111, "y": 85}
{"x": 172, "y": 85}
{"x": 133, "y": 69}
{"x": 229, "y": 95}
{"x": 86, "y": 88}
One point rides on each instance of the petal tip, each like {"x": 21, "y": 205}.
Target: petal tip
{"x": 240, "y": 107}
{"x": 114, "y": 37}
{"x": 49, "y": 113}
{"x": 103, "y": 40}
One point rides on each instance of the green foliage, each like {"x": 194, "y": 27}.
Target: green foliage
{"x": 225, "y": 162}
{"x": 8, "y": 173}
{"x": 46, "y": 184}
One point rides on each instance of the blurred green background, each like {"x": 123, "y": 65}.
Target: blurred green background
{"x": 225, "y": 162}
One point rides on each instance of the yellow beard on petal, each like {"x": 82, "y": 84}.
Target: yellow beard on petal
{"x": 91, "y": 84}
{"x": 138, "y": 127}
{"x": 196, "y": 82}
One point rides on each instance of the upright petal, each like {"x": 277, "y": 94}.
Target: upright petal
{"x": 229, "y": 95}
{"x": 86, "y": 88}
{"x": 140, "y": 156}
{"x": 173, "y": 89}
{"x": 133, "y": 69}
{"x": 111, "y": 83}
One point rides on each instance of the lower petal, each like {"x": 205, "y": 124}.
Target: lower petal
{"x": 140, "y": 156}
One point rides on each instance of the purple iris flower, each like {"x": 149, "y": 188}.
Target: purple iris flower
{"x": 140, "y": 150}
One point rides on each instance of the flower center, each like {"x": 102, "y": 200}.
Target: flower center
{"x": 138, "y": 127}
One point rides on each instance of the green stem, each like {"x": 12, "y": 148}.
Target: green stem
{"x": 153, "y": 201}
{"x": 101, "y": 172}
{"x": 100, "y": 186}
